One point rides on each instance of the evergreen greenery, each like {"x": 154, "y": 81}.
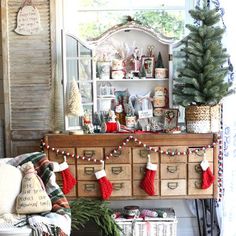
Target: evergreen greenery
{"x": 142, "y": 73}
{"x": 201, "y": 79}
{"x": 159, "y": 62}
{"x": 85, "y": 210}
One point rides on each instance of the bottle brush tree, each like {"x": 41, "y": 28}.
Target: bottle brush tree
{"x": 201, "y": 79}
{"x": 159, "y": 62}
{"x": 142, "y": 73}
{"x": 74, "y": 105}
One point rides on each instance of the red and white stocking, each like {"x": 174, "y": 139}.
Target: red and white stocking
{"x": 147, "y": 183}
{"x": 104, "y": 184}
{"x": 68, "y": 180}
{"x": 207, "y": 176}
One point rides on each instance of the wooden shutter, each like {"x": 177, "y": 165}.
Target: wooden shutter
{"x": 28, "y": 78}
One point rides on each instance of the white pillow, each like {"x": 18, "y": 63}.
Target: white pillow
{"x": 10, "y": 185}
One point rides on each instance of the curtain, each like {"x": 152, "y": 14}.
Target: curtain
{"x": 228, "y": 204}
{"x": 229, "y": 175}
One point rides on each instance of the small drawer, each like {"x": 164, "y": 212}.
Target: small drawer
{"x": 54, "y": 156}
{"x": 86, "y": 172}
{"x": 173, "y": 187}
{"x": 194, "y": 188}
{"x": 170, "y": 158}
{"x": 122, "y": 156}
{"x": 139, "y": 171}
{"x": 88, "y": 189}
{"x": 121, "y": 188}
{"x": 140, "y": 155}
{"x": 118, "y": 171}
{"x": 173, "y": 171}
{"x": 92, "y": 153}
{"x": 137, "y": 191}
{"x": 72, "y": 193}
{"x": 195, "y": 170}
{"x": 198, "y": 156}
{"x": 72, "y": 170}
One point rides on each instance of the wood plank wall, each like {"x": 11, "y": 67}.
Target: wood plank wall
{"x": 2, "y": 149}
{"x": 30, "y": 68}
{"x": 1, "y": 78}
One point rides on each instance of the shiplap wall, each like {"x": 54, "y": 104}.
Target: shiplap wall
{"x": 29, "y": 79}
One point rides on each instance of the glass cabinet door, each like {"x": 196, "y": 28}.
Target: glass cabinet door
{"x": 77, "y": 66}
{"x": 178, "y": 58}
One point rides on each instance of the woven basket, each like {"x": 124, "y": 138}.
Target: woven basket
{"x": 203, "y": 119}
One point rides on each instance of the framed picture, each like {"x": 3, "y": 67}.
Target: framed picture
{"x": 170, "y": 118}
{"x": 148, "y": 64}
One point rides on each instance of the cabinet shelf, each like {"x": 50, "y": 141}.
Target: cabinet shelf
{"x": 79, "y": 63}
{"x": 131, "y": 80}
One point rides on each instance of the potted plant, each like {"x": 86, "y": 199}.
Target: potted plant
{"x": 160, "y": 70}
{"x": 200, "y": 84}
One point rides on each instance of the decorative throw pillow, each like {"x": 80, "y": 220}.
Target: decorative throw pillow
{"x": 10, "y": 184}
{"x": 33, "y": 197}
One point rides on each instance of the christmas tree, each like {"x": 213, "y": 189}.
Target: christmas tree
{"x": 201, "y": 79}
{"x": 159, "y": 62}
{"x": 74, "y": 105}
{"x": 142, "y": 73}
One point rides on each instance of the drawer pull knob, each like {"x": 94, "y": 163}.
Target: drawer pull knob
{"x": 172, "y": 185}
{"x": 116, "y": 170}
{"x": 142, "y": 170}
{"x": 144, "y": 153}
{"x": 89, "y": 187}
{"x": 198, "y": 184}
{"x": 117, "y": 186}
{"x": 89, "y": 170}
{"x": 117, "y": 153}
{"x": 200, "y": 153}
{"x": 198, "y": 169}
{"x": 89, "y": 153}
{"x": 172, "y": 169}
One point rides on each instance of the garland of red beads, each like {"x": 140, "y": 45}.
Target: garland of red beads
{"x": 124, "y": 143}
{"x": 220, "y": 170}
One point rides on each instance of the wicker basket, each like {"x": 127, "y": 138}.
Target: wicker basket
{"x": 203, "y": 119}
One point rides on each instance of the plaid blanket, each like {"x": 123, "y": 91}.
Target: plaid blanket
{"x": 58, "y": 221}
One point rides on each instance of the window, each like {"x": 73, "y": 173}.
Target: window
{"x": 90, "y": 18}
